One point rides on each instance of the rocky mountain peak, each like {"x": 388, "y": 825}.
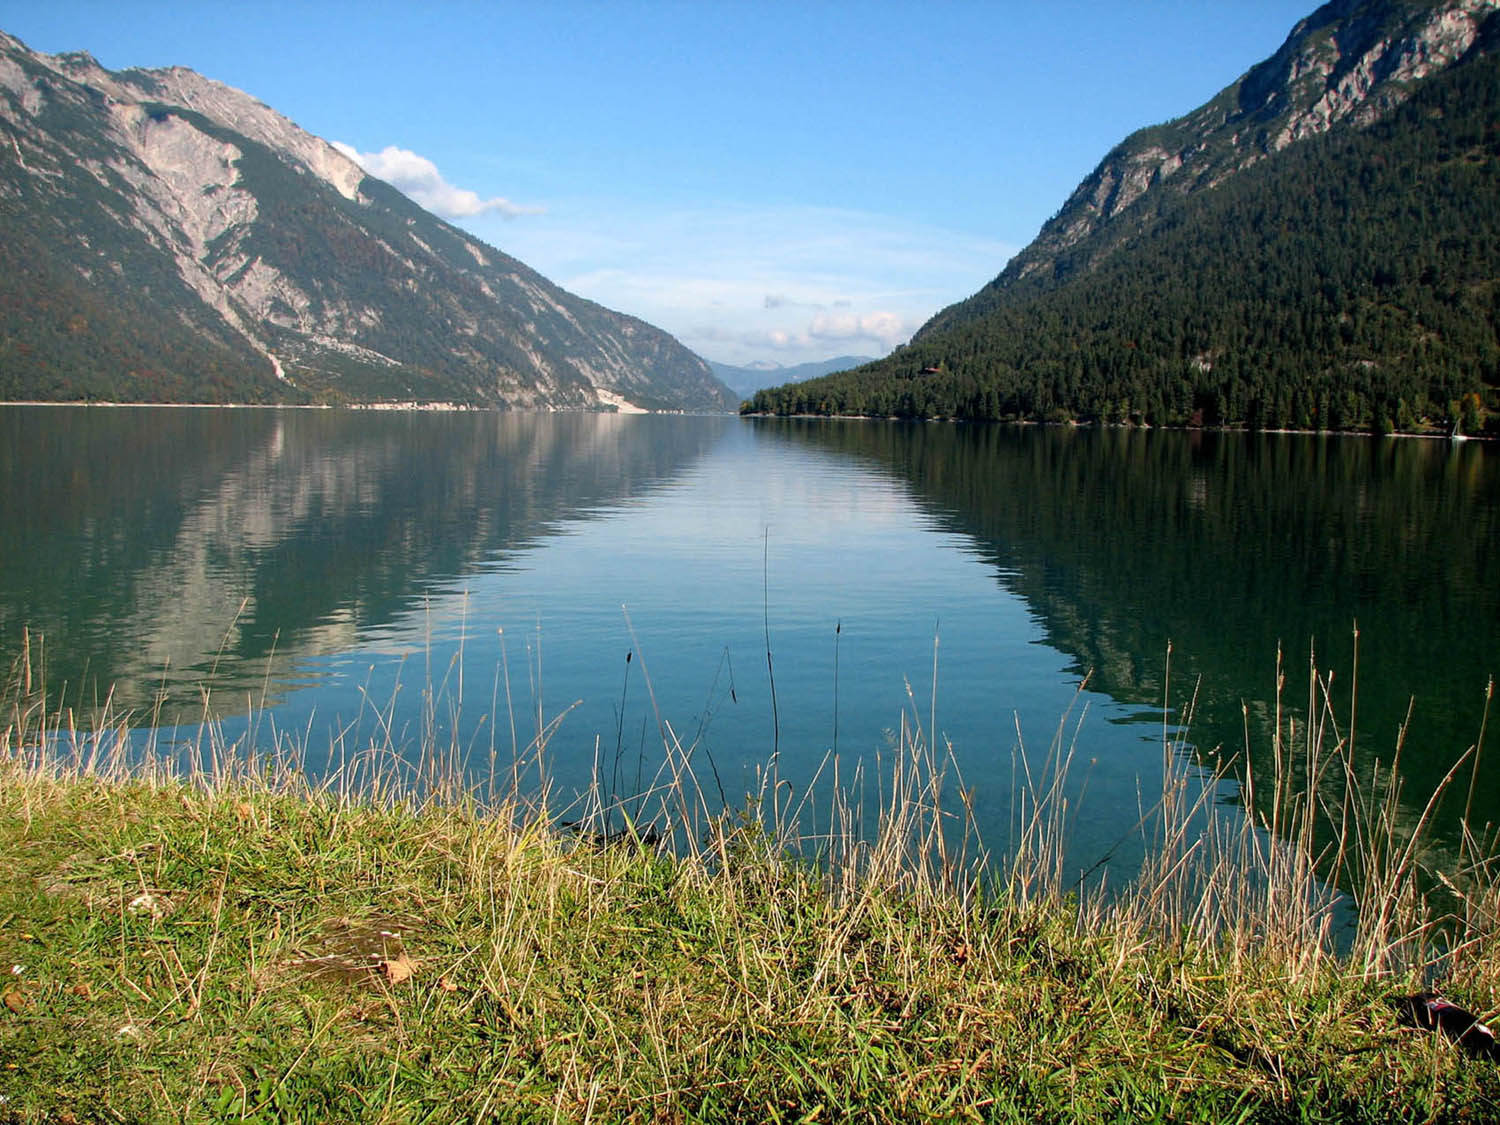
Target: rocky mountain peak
{"x": 1355, "y": 59}
{"x": 1349, "y": 60}
{"x": 293, "y": 272}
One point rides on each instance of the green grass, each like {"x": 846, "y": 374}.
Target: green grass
{"x": 245, "y": 945}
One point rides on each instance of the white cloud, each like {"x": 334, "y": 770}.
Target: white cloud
{"x": 419, "y": 179}
{"x": 884, "y": 328}
{"x": 822, "y": 336}
{"x": 741, "y": 284}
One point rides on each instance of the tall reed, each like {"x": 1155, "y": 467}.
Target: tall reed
{"x": 1271, "y": 854}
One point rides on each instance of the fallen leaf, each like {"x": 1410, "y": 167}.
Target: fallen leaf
{"x": 148, "y": 903}
{"x": 16, "y": 1000}
{"x": 398, "y": 970}
{"x": 447, "y": 985}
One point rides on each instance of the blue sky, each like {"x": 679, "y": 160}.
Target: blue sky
{"x": 767, "y": 181}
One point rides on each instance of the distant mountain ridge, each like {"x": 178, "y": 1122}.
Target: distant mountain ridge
{"x": 1316, "y": 247}
{"x": 750, "y": 378}
{"x": 164, "y": 237}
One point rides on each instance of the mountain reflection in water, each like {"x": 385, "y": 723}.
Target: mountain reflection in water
{"x": 1229, "y": 546}
{"x": 321, "y": 564}
{"x": 156, "y": 549}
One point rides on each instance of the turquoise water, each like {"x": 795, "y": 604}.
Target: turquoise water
{"x": 356, "y": 577}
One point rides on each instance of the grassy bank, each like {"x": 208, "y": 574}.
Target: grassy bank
{"x": 240, "y": 944}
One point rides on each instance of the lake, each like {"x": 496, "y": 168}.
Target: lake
{"x": 359, "y": 577}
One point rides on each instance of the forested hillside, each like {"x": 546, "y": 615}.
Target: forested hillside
{"x": 1347, "y": 282}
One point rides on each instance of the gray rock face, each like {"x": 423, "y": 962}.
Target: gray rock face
{"x": 263, "y": 253}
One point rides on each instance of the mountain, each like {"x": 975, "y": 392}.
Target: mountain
{"x": 1318, "y": 246}
{"x": 752, "y": 377}
{"x": 164, "y": 237}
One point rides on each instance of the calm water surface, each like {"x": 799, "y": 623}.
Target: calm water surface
{"x": 336, "y": 571}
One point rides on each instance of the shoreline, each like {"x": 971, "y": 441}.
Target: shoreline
{"x": 361, "y": 407}
{"x": 1024, "y": 422}
{"x": 467, "y": 408}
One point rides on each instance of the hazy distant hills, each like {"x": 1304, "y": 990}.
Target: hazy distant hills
{"x": 166, "y": 238}
{"x": 752, "y": 377}
{"x": 1318, "y": 247}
